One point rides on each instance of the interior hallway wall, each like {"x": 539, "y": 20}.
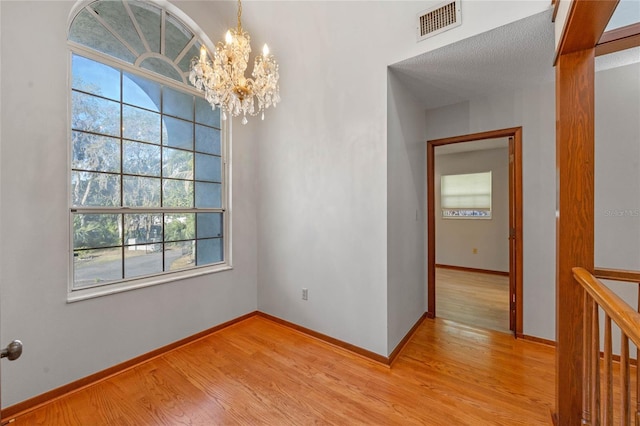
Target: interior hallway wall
{"x": 617, "y": 174}
{"x": 325, "y": 183}
{"x": 406, "y": 202}
{"x": 533, "y": 108}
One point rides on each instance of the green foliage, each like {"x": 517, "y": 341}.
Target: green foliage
{"x": 95, "y": 230}
{"x": 180, "y": 227}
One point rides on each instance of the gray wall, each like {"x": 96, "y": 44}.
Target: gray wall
{"x": 532, "y": 108}
{"x": 64, "y": 342}
{"x": 406, "y": 202}
{"x": 617, "y": 174}
{"x": 617, "y": 168}
{"x": 456, "y": 238}
{"x": 327, "y": 170}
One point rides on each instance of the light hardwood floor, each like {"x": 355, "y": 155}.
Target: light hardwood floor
{"x": 258, "y": 372}
{"x": 473, "y": 298}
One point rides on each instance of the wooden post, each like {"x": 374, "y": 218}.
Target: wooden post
{"x": 575, "y": 221}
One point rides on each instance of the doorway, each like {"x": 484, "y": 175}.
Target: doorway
{"x": 514, "y": 136}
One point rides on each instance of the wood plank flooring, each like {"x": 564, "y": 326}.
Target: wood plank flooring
{"x": 473, "y": 298}
{"x": 258, "y": 372}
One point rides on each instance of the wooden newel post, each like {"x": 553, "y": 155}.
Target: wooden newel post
{"x": 574, "y": 227}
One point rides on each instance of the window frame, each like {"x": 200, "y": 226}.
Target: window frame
{"x": 126, "y": 284}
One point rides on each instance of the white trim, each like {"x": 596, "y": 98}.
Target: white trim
{"x": 112, "y": 31}
{"x": 126, "y": 66}
{"x": 134, "y": 284}
{"x": 136, "y": 25}
{"x": 184, "y": 51}
{"x": 227, "y": 190}
{"x": 169, "y": 7}
{"x": 148, "y": 55}
{"x": 78, "y": 294}
{"x": 163, "y": 31}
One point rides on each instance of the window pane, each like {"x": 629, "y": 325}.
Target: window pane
{"x": 176, "y": 37}
{"x": 177, "y": 133}
{"x": 114, "y": 13}
{"x": 208, "y": 168}
{"x": 209, "y": 225}
{"x": 140, "y": 260}
{"x": 208, "y": 195}
{"x": 179, "y": 226}
{"x": 92, "y": 267}
{"x": 97, "y": 153}
{"x": 177, "y": 164}
{"x": 179, "y": 255}
{"x": 94, "y": 77}
{"x": 205, "y": 114}
{"x": 95, "y": 189}
{"x": 140, "y": 92}
{"x": 466, "y": 191}
{"x": 162, "y": 67}
{"x": 142, "y": 229}
{"x": 177, "y": 104}
{"x": 141, "y": 191}
{"x": 177, "y": 193}
{"x": 94, "y": 114}
{"x": 140, "y": 124}
{"x": 140, "y": 158}
{"x": 207, "y": 140}
{"x": 209, "y": 251}
{"x": 148, "y": 17}
{"x": 87, "y": 31}
{"x": 96, "y": 231}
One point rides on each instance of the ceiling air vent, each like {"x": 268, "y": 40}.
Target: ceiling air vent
{"x": 438, "y": 19}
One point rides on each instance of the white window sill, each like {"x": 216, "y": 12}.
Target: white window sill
{"x": 107, "y": 289}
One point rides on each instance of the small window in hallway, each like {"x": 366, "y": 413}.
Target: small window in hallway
{"x": 466, "y": 196}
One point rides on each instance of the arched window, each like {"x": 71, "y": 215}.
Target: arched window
{"x": 148, "y": 168}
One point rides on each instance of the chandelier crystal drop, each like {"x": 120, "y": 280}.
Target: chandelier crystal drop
{"x": 223, "y": 81}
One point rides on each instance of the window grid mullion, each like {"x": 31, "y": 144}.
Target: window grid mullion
{"x": 122, "y": 223}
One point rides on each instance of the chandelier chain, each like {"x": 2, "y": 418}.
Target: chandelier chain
{"x": 239, "y": 13}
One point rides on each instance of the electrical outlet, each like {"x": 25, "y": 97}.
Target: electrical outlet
{"x": 305, "y": 294}
{"x": 475, "y": 250}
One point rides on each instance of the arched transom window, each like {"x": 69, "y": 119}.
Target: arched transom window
{"x": 148, "y": 168}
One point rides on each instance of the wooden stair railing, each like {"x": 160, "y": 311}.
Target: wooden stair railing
{"x": 598, "y": 404}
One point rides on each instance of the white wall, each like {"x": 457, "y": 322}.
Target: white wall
{"x": 617, "y": 168}
{"x": 406, "y": 203}
{"x": 64, "y": 342}
{"x": 617, "y": 173}
{"x": 457, "y": 238}
{"x": 323, "y": 195}
{"x": 532, "y": 108}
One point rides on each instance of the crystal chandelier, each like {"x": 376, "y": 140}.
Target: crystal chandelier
{"x": 222, "y": 79}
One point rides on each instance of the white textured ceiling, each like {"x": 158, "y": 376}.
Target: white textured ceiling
{"x": 510, "y": 57}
